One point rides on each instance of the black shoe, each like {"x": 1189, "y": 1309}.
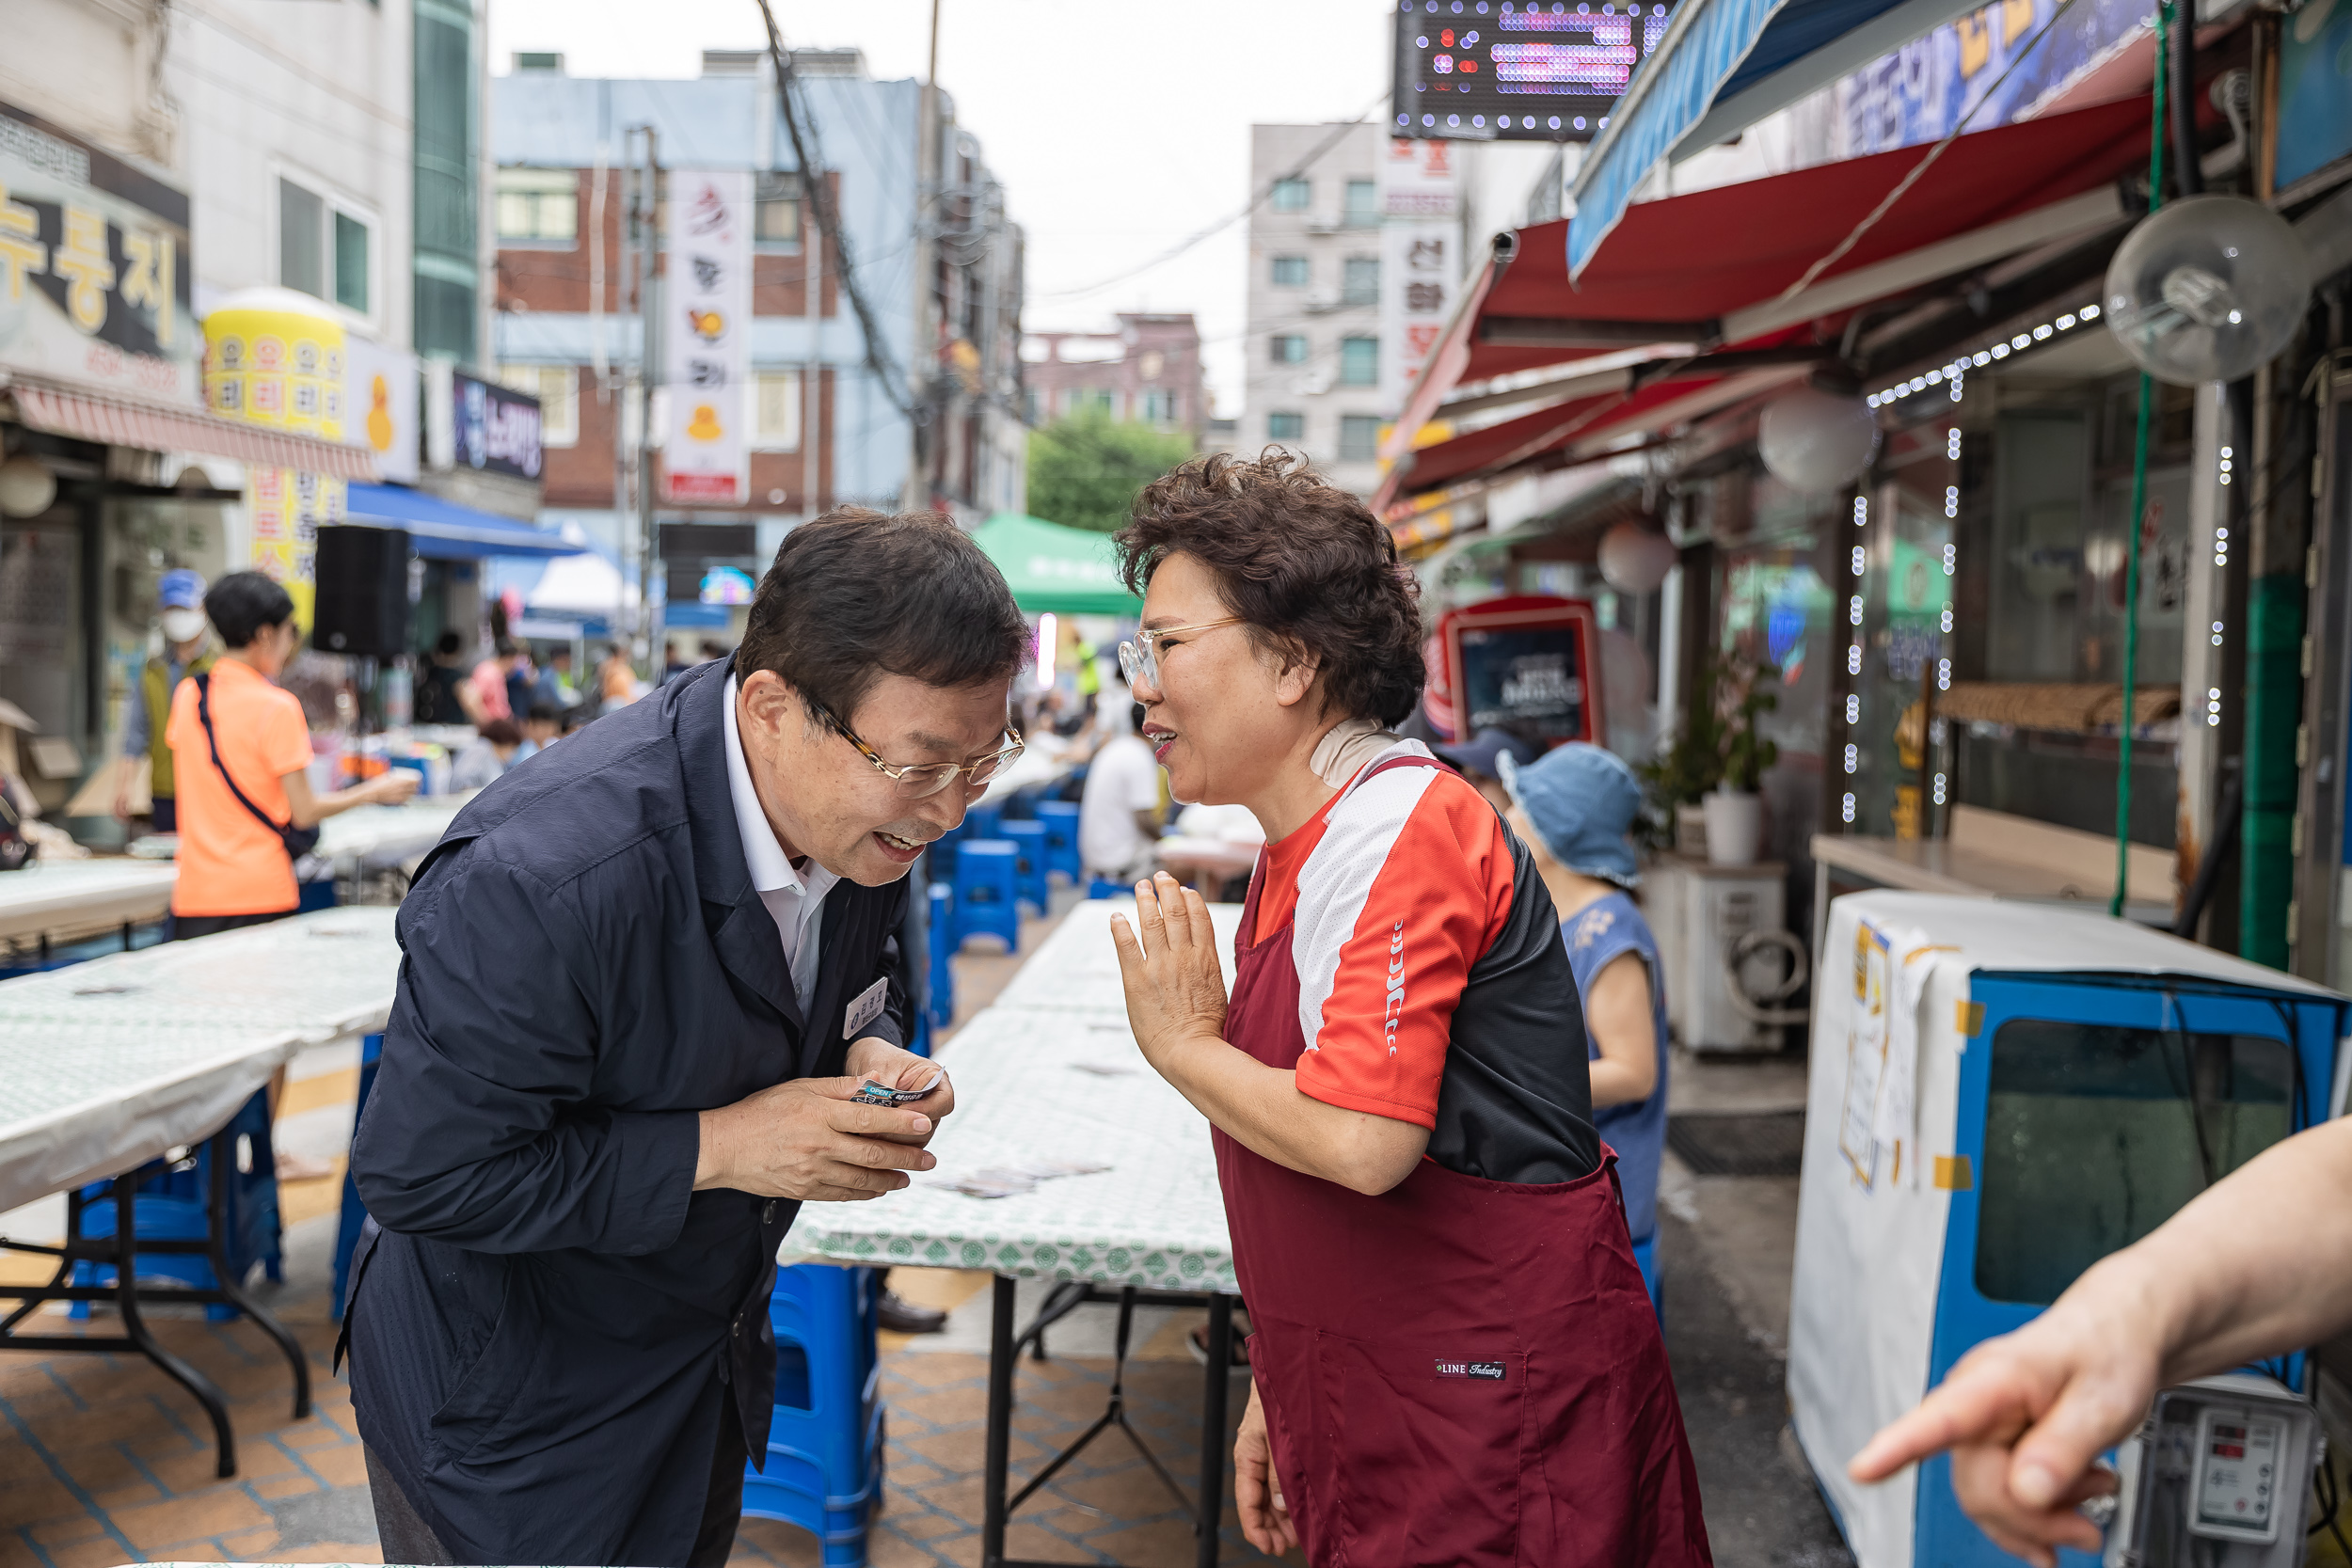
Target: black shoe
{"x": 903, "y": 1317}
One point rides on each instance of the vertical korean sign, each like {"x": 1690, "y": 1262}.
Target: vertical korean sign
{"x": 94, "y": 270}
{"x": 708, "y": 337}
{"x": 275, "y": 357}
{"x": 1419, "y": 267}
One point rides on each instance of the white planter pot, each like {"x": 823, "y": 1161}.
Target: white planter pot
{"x": 1735, "y": 828}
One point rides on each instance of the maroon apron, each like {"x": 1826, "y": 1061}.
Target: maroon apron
{"x": 1458, "y": 1372}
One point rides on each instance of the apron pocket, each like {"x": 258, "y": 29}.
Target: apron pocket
{"x": 1431, "y": 1445}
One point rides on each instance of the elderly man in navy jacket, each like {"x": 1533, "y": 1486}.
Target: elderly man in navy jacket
{"x": 642, "y": 977}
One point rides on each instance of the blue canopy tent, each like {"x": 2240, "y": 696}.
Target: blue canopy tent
{"x": 444, "y": 531}
{"x": 1723, "y": 66}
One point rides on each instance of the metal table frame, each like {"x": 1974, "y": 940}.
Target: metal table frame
{"x": 1207, "y": 1507}
{"x": 122, "y": 1250}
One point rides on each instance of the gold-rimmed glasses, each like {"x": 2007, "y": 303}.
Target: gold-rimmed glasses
{"x": 921, "y": 780}
{"x": 1139, "y": 660}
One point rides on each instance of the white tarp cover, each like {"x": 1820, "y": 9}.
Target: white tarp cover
{"x": 1881, "y": 1107}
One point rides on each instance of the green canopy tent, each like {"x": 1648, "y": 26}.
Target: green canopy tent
{"x": 1066, "y": 571}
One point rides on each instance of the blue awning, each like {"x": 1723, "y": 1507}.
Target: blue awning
{"x": 1723, "y": 66}
{"x": 443, "y": 531}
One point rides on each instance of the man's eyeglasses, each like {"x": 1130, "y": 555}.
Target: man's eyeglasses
{"x": 1139, "y": 660}
{"x": 926, "y": 778}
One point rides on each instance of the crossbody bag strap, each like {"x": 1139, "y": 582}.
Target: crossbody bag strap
{"x": 204, "y": 716}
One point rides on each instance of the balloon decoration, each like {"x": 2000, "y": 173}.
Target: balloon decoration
{"x": 1634, "y": 561}
{"x": 1814, "y": 441}
{"x": 2207, "y": 289}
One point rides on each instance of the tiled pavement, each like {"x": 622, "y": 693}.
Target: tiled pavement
{"x": 104, "y": 1461}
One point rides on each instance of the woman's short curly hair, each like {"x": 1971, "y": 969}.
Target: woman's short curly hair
{"x": 1302, "y": 561}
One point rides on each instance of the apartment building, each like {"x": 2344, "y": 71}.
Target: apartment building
{"x": 1312, "y": 381}
{"x": 926, "y": 414}
{"x": 1147, "y": 370}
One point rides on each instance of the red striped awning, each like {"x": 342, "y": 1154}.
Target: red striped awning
{"x": 116, "y": 420}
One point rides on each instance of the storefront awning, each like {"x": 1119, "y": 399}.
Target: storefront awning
{"x": 113, "y": 419}
{"x": 1723, "y": 66}
{"x": 1730, "y": 281}
{"x": 443, "y": 531}
{"x": 1051, "y": 568}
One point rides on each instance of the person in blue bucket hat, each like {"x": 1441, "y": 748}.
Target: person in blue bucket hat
{"x": 1574, "y": 807}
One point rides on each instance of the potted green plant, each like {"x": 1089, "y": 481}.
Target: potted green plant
{"x": 1684, "y": 770}
{"x": 1734, "y": 810}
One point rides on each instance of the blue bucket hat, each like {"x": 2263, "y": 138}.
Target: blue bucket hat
{"x": 181, "y": 589}
{"x": 1581, "y": 800}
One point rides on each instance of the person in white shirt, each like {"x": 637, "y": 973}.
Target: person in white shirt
{"x": 1119, "y": 814}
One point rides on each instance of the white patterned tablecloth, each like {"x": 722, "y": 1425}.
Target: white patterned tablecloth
{"x": 79, "y": 1102}
{"x": 319, "y": 976}
{"x": 1076, "y": 967}
{"x": 58, "y": 896}
{"x": 376, "y": 836}
{"x": 1155, "y": 1219}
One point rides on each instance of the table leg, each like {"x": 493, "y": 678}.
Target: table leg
{"x": 1000, "y": 1368}
{"x": 1211, "y": 1518}
{"x": 135, "y": 1328}
{"x": 224, "y": 1164}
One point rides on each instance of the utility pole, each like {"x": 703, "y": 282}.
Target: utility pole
{"x": 923, "y": 363}
{"x": 648, "y": 207}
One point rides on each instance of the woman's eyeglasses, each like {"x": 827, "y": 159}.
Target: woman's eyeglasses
{"x": 1139, "y": 660}
{"x": 922, "y": 779}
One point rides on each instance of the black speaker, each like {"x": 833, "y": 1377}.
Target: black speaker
{"x": 362, "y": 591}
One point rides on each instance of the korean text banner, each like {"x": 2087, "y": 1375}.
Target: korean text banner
{"x": 1417, "y": 263}
{"x": 707, "y": 339}
{"x": 94, "y": 267}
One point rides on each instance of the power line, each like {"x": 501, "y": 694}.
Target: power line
{"x": 1338, "y": 133}
{"x": 795, "y": 108}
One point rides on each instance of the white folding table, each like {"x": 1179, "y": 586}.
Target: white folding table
{"x": 107, "y": 1065}
{"x": 1052, "y": 1073}
{"x": 83, "y": 1102}
{"x": 52, "y": 899}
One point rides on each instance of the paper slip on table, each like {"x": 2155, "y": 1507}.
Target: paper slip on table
{"x": 82, "y": 1102}
{"x": 325, "y": 975}
{"x": 74, "y": 898}
{"x": 1068, "y": 1084}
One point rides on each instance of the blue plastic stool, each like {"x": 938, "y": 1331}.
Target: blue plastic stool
{"x": 824, "y": 1464}
{"x": 940, "y": 854}
{"x": 941, "y": 1011}
{"x": 986, "y": 891}
{"x": 355, "y": 1213}
{"x": 1061, "y": 839}
{"x": 1029, "y": 880}
{"x": 981, "y": 819}
{"x": 1646, "y": 1255}
{"x": 171, "y": 1207}
{"x": 1102, "y": 888}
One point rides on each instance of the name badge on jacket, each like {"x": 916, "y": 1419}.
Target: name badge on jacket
{"x": 867, "y": 1008}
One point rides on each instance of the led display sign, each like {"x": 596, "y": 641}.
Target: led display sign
{"x": 1501, "y": 71}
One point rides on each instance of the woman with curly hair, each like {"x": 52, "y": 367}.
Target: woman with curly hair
{"x": 1455, "y": 1360}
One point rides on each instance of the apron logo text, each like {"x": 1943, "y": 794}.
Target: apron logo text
{"x": 1489, "y": 1371}
{"x": 1395, "y": 1009}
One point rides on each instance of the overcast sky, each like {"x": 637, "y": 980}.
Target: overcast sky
{"x": 1117, "y": 129}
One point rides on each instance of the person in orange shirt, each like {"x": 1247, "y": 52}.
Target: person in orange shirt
{"x": 234, "y": 869}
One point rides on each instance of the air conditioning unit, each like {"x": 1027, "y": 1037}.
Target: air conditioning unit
{"x": 1323, "y": 298}
{"x": 1323, "y": 223}
{"x": 1312, "y": 384}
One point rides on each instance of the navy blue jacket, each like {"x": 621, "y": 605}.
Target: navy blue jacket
{"x": 549, "y": 1323}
